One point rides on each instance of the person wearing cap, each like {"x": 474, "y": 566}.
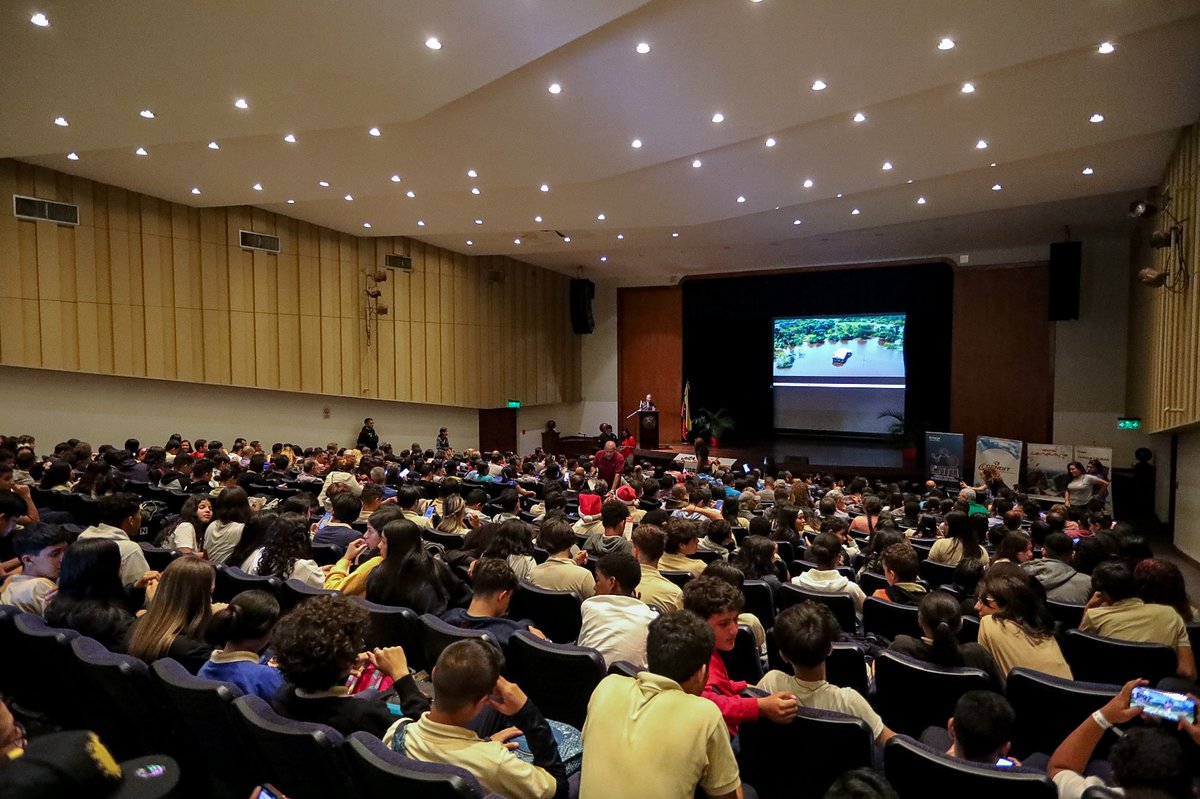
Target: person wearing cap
{"x": 589, "y": 522}
{"x": 628, "y": 495}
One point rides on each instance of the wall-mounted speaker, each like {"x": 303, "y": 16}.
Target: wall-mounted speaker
{"x": 582, "y": 292}
{"x": 1066, "y": 260}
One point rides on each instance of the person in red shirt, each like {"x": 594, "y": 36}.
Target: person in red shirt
{"x": 610, "y": 464}
{"x": 628, "y": 443}
{"x": 718, "y": 603}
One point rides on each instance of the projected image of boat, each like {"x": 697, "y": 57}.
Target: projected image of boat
{"x": 841, "y": 355}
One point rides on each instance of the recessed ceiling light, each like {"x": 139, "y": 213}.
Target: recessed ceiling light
{"x": 1087, "y": 170}
{"x": 212, "y": 145}
{"x": 718, "y": 117}
{"x": 819, "y": 85}
{"x": 1104, "y": 49}
{"x": 366, "y": 224}
{"x": 920, "y": 201}
{"x": 770, "y": 142}
{"x": 636, "y": 143}
{"x": 40, "y": 20}
{"x": 291, "y": 202}
{"x": 741, "y": 198}
{"x": 257, "y": 187}
{"x": 349, "y": 198}
{"x": 839, "y": 194}
{"x": 195, "y": 189}
{"x": 808, "y": 183}
{"x": 146, "y": 113}
{"x": 620, "y": 235}
{"x": 433, "y": 43}
{"x": 555, "y": 88}
{"x": 946, "y": 44}
{"x": 516, "y": 241}
{"x": 544, "y": 187}
{"x": 981, "y": 144}
{"x": 996, "y": 187}
{"x": 992, "y": 164}
{"x": 567, "y": 239}
{"x": 72, "y": 156}
{"x": 886, "y": 166}
{"x": 968, "y": 88}
{"x": 696, "y": 164}
{"x": 290, "y": 138}
{"x": 420, "y": 223}
{"x": 471, "y": 173}
{"x": 643, "y": 47}
{"x": 470, "y": 243}
{"x": 395, "y": 178}
{"x": 855, "y": 212}
{"x": 674, "y": 235}
{"x": 795, "y": 221}
{"x": 411, "y": 193}
{"x": 140, "y": 151}
{"x": 1096, "y": 118}
{"x": 603, "y": 258}
{"x": 61, "y": 122}
{"x": 374, "y": 132}
{"x": 537, "y": 218}
{"x": 323, "y": 184}
{"x": 479, "y": 221}
{"x": 475, "y": 190}
{"x": 860, "y": 117}
{"x": 241, "y": 103}
{"x": 601, "y": 217}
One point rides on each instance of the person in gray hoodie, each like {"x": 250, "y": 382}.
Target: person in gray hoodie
{"x": 1054, "y": 571}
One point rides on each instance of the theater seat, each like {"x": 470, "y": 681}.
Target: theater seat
{"x": 742, "y": 662}
{"x": 845, "y": 666}
{"x": 624, "y": 668}
{"x": 759, "y": 602}
{"x": 936, "y": 574}
{"x": 888, "y": 619}
{"x": 326, "y": 554}
{"x": 436, "y": 635}
{"x": 379, "y": 771}
{"x": 395, "y": 626}
{"x": 1050, "y": 708}
{"x": 870, "y": 582}
{"x": 231, "y": 581}
{"x": 1065, "y": 613}
{"x": 842, "y": 605}
{"x": 556, "y": 613}
{"x": 45, "y": 669}
{"x": 829, "y": 744}
{"x": 1107, "y": 660}
{"x": 157, "y": 557}
{"x": 969, "y": 632}
{"x": 302, "y": 760}
{"x": 449, "y": 541}
{"x": 121, "y": 702}
{"x": 292, "y": 592}
{"x": 678, "y": 578}
{"x": 918, "y": 772}
{"x": 558, "y": 678}
{"x": 911, "y": 695}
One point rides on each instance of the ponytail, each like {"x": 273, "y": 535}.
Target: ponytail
{"x": 940, "y": 614}
{"x": 250, "y": 615}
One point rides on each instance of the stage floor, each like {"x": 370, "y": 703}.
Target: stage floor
{"x": 819, "y": 452}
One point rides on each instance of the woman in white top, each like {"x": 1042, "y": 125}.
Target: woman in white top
{"x": 340, "y": 473}
{"x": 1083, "y": 486}
{"x": 513, "y": 542}
{"x": 232, "y": 510}
{"x": 288, "y": 553}
{"x": 187, "y": 534}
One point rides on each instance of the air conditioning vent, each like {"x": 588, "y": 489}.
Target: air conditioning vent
{"x": 397, "y": 261}
{"x": 259, "y": 241}
{"x": 45, "y": 210}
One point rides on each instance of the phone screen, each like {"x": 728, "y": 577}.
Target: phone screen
{"x": 1164, "y": 705}
{"x": 1004, "y": 762}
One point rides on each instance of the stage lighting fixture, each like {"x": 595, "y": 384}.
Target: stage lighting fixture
{"x": 1161, "y": 239}
{"x": 1152, "y": 277}
{"x": 374, "y": 293}
{"x": 379, "y": 277}
{"x": 1140, "y": 208}
{"x": 381, "y": 310}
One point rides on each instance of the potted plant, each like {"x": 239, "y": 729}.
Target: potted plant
{"x": 904, "y": 431}
{"x": 717, "y": 423}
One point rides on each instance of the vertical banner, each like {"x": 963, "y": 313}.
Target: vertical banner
{"x": 685, "y": 412}
{"x": 1097, "y": 461}
{"x": 1046, "y": 470}
{"x": 944, "y": 455}
{"x": 1002, "y": 453}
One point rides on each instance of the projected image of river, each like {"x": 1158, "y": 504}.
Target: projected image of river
{"x": 868, "y": 359}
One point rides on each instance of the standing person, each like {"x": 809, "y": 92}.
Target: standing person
{"x": 610, "y": 464}
{"x": 443, "y": 440}
{"x": 1083, "y": 487}
{"x": 367, "y": 437}
{"x": 628, "y": 443}
{"x": 647, "y": 404}
{"x": 606, "y": 434}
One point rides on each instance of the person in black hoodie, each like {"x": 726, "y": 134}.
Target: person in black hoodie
{"x": 367, "y": 437}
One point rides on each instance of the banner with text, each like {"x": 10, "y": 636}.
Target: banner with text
{"x": 1046, "y": 470}
{"x": 1003, "y": 453}
{"x": 944, "y": 455}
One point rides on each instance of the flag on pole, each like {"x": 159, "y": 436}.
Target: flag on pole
{"x": 685, "y": 412}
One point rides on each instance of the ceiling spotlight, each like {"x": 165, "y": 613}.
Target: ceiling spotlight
{"x": 674, "y": 235}
{"x": 1161, "y": 239}
{"x": 470, "y": 243}
{"x": 433, "y": 43}
{"x": 819, "y": 85}
{"x": 996, "y": 187}
{"x": 471, "y": 173}
{"x": 839, "y": 195}
{"x": 395, "y": 178}
{"x": 636, "y": 143}
{"x": 212, "y": 145}
{"x": 770, "y": 142}
{"x": 920, "y": 201}
{"x": 968, "y": 88}
{"x": 643, "y": 48}
{"x": 323, "y": 184}
{"x": 1105, "y": 48}
{"x": 195, "y": 189}
{"x": 475, "y": 190}
{"x": 146, "y": 113}
{"x": 555, "y": 88}
{"x": 368, "y": 224}
{"x": 860, "y": 117}
{"x": 600, "y": 217}
{"x": 993, "y": 164}
{"x": 1096, "y": 118}
{"x": 349, "y": 198}
{"x": 544, "y": 187}
{"x": 40, "y": 20}
{"x": 603, "y": 258}
{"x": 411, "y": 193}
{"x": 696, "y": 164}
{"x": 479, "y": 221}
{"x": 420, "y": 223}
{"x": 1142, "y": 208}
{"x": 290, "y": 138}
{"x": 795, "y": 221}
{"x": 886, "y": 166}
{"x": 620, "y": 235}
{"x": 981, "y": 145}
{"x": 567, "y": 239}
{"x": 241, "y": 103}
{"x": 374, "y": 132}
{"x": 741, "y": 198}
{"x": 855, "y": 212}
{"x": 1087, "y": 170}
{"x": 1152, "y": 277}
{"x": 61, "y": 122}
{"x": 808, "y": 183}
{"x": 516, "y": 241}
{"x": 537, "y": 218}
{"x": 291, "y": 202}
{"x": 908, "y": 181}
{"x": 257, "y": 187}
{"x": 718, "y": 117}
{"x": 946, "y": 44}
{"x": 140, "y": 151}
{"x": 72, "y": 156}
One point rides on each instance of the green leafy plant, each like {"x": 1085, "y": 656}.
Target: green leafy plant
{"x": 717, "y": 422}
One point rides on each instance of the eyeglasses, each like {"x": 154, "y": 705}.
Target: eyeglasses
{"x": 988, "y": 601}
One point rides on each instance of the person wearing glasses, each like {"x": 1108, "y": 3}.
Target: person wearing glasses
{"x": 1014, "y": 625}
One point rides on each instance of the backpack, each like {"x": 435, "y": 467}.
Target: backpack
{"x": 154, "y": 518}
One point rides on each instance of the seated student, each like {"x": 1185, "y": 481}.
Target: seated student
{"x": 614, "y": 620}
{"x": 561, "y": 571}
{"x": 40, "y": 549}
{"x": 91, "y": 598}
{"x": 288, "y": 552}
{"x": 317, "y": 644}
{"x": 409, "y": 500}
{"x": 654, "y": 589}
{"x": 509, "y": 502}
{"x": 826, "y": 552}
{"x": 900, "y": 563}
{"x": 349, "y": 575}
{"x": 683, "y": 539}
{"x": 718, "y": 533}
{"x": 407, "y": 576}
{"x": 1014, "y": 626}
{"x": 231, "y": 511}
{"x": 961, "y": 541}
{"x": 1160, "y": 582}
{"x": 805, "y": 634}
{"x": 476, "y": 499}
{"x": 1145, "y": 761}
{"x": 256, "y": 533}
{"x": 613, "y": 518}
{"x": 1014, "y": 548}
{"x": 756, "y": 560}
{"x": 178, "y": 609}
{"x": 718, "y": 604}
{"x": 881, "y": 540}
{"x": 121, "y": 520}
{"x": 471, "y": 700}
{"x": 493, "y": 582}
{"x": 201, "y": 478}
{"x": 967, "y": 574}
{"x": 187, "y": 533}
{"x": 245, "y": 626}
{"x": 940, "y": 620}
{"x": 980, "y": 731}
{"x": 1115, "y": 611}
{"x": 732, "y": 575}
{"x": 338, "y": 531}
{"x": 513, "y": 543}
{"x": 372, "y": 499}
{"x": 655, "y": 736}
{"x": 1054, "y": 571}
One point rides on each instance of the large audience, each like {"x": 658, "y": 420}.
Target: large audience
{"x": 676, "y": 577}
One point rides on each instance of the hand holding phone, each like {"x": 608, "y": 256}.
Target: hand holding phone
{"x": 1164, "y": 704}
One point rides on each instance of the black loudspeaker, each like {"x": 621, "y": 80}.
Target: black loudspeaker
{"x": 1066, "y": 258}
{"x": 582, "y": 292}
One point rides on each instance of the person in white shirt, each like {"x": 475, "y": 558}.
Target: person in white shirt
{"x": 232, "y": 511}
{"x": 120, "y": 520}
{"x": 614, "y": 620}
{"x": 40, "y": 548}
{"x": 288, "y": 552}
{"x": 826, "y": 552}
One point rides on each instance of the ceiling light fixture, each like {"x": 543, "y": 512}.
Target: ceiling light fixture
{"x": 1096, "y": 118}
{"x": 537, "y": 218}
{"x": 146, "y": 113}
{"x": 674, "y": 235}
{"x": 471, "y": 173}
{"x": 992, "y": 164}
{"x": 544, "y": 187}
{"x": 72, "y": 156}
{"x": 620, "y": 235}
{"x": 1087, "y": 170}
{"x": 40, "y": 20}
{"x": 770, "y": 142}
{"x": 349, "y": 198}
{"x": 567, "y": 239}
{"x": 257, "y": 187}
{"x": 808, "y": 183}
{"x": 1140, "y": 208}
{"x": 411, "y": 193}
{"x": 433, "y": 43}
{"x": 946, "y": 44}
{"x": 996, "y": 187}
{"x": 1105, "y": 48}
{"x": 981, "y": 145}
{"x": 61, "y": 122}
{"x": 718, "y": 117}
{"x": 741, "y": 198}
{"x": 601, "y": 217}
{"x": 920, "y": 201}
{"x": 696, "y": 164}
{"x": 195, "y": 189}
{"x": 290, "y": 138}
{"x": 140, "y": 151}
{"x": 795, "y": 221}
{"x": 212, "y": 145}
{"x": 420, "y": 223}
{"x": 860, "y": 117}
{"x": 643, "y": 47}
{"x": 968, "y": 88}
{"x": 555, "y": 88}
{"x": 479, "y": 221}
{"x": 603, "y": 258}
{"x": 374, "y": 132}
{"x": 855, "y": 212}
{"x": 636, "y": 143}
{"x": 323, "y": 184}
{"x": 475, "y": 190}
{"x": 366, "y": 224}
{"x": 516, "y": 241}
{"x": 887, "y": 165}
{"x": 819, "y": 86}
{"x": 395, "y": 178}
{"x": 839, "y": 195}
{"x": 291, "y": 202}
{"x": 470, "y": 243}
{"x": 241, "y": 103}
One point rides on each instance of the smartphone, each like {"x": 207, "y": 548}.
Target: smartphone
{"x": 403, "y": 473}
{"x": 429, "y": 511}
{"x": 1004, "y": 762}
{"x": 720, "y": 503}
{"x": 1164, "y": 705}
{"x": 268, "y": 791}
{"x": 746, "y": 468}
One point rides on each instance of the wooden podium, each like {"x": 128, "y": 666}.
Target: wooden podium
{"x": 648, "y": 429}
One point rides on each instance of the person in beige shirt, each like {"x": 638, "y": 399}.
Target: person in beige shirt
{"x": 1115, "y": 611}
{"x": 654, "y": 589}
{"x": 655, "y": 736}
{"x": 1011, "y": 626}
{"x": 562, "y": 570}
{"x": 683, "y": 539}
{"x": 40, "y": 548}
{"x": 960, "y": 542}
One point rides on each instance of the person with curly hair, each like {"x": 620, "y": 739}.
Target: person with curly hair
{"x": 317, "y": 645}
{"x": 288, "y": 553}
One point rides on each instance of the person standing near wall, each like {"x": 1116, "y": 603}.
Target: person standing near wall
{"x": 367, "y": 437}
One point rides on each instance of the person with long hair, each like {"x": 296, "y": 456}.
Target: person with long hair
{"x": 940, "y": 617}
{"x": 342, "y": 471}
{"x": 254, "y": 538}
{"x": 178, "y": 611}
{"x": 959, "y": 542}
{"x": 454, "y": 516}
{"x": 91, "y": 598}
{"x": 232, "y": 511}
{"x": 880, "y": 540}
{"x": 187, "y": 532}
{"x": 93, "y": 479}
{"x": 869, "y": 520}
{"x": 56, "y": 477}
{"x": 787, "y": 525}
{"x": 410, "y": 577}
{"x": 245, "y": 626}
{"x": 288, "y": 553}
{"x": 514, "y": 544}
{"x": 756, "y": 559}
{"x": 1014, "y": 626}
{"x": 1160, "y": 582}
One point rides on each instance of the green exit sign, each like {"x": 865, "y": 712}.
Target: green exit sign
{"x": 1129, "y": 423}
{"x": 514, "y": 403}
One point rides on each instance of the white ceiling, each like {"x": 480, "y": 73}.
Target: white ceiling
{"x": 327, "y": 72}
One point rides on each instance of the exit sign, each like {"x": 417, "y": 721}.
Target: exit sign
{"x": 1129, "y": 423}
{"x": 514, "y": 403}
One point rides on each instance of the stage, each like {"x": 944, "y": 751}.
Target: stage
{"x": 800, "y": 454}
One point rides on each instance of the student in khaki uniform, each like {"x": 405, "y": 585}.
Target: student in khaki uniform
{"x": 654, "y": 589}
{"x": 683, "y": 539}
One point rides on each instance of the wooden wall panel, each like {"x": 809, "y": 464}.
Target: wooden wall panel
{"x": 148, "y": 288}
{"x": 650, "y": 353}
